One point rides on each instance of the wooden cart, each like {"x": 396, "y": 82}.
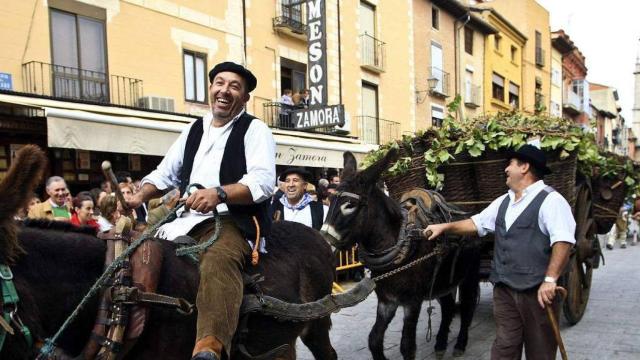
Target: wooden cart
{"x": 473, "y": 183}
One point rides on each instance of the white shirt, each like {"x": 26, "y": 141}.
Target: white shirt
{"x": 303, "y": 216}
{"x": 260, "y": 152}
{"x": 554, "y": 218}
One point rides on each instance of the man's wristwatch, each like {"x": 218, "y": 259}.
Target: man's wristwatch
{"x": 549, "y": 279}
{"x": 222, "y": 196}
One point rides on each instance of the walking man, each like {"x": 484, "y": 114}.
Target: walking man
{"x": 534, "y": 233}
{"x": 232, "y": 155}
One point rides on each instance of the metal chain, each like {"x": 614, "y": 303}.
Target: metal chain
{"x": 407, "y": 266}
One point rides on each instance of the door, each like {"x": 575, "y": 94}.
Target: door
{"x": 368, "y": 33}
{"x": 369, "y": 124}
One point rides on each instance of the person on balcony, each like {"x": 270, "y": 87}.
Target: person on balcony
{"x": 286, "y": 105}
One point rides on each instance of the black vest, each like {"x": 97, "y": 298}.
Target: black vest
{"x": 521, "y": 254}
{"x": 317, "y": 212}
{"x": 232, "y": 169}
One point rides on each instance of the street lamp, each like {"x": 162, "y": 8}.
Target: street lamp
{"x": 432, "y": 82}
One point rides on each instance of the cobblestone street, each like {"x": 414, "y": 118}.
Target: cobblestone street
{"x": 610, "y": 328}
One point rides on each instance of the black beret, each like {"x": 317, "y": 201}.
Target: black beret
{"x": 304, "y": 174}
{"x": 235, "y": 68}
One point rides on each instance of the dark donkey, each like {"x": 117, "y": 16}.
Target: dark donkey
{"x": 362, "y": 214}
{"x": 54, "y": 267}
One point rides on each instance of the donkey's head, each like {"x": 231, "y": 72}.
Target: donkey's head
{"x": 360, "y": 208}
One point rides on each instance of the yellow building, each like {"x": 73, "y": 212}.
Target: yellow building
{"x": 118, "y": 80}
{"x": 449, "y": 43}
{"x": 532, "y": 20}
{"x": 503, "y": 54}
{"x": 555, "y": 103}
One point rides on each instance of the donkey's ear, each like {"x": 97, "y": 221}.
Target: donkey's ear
{"x": 350, "y": 165}
{"x": 371, "y": 174}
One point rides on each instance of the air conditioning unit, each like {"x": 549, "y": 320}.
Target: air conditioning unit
{"x": 157, "y": 103}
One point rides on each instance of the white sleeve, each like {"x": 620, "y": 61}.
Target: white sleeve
{"x": 485, "y": 221}
{"x": 556, "y": 219}
{"x": 166, "y": 175}
{"x": 260, "y": 153}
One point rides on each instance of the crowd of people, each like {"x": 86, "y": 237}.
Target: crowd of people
{"x": 96, "y": 208}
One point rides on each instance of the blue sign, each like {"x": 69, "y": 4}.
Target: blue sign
{"x": 5, "y": 82}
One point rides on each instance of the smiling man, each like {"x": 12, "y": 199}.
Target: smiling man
{"x": 56, "y": 207}
{"x": 296, "y": 204}
{"x": 231, "y": 154}
{"x": 534, "y": 232}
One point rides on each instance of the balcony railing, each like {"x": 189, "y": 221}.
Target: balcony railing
{"x": 472, "y": 96}
{"x": 572, "y": 101}
{"x": 293, "y": 17}
{"x": 540, "y": 56}
{"x": 79, "y": 84}
{"x": 278, "y": 115}
{"x": 377, "y": 131}
{"x": 372, "y": 52}
{"x": 442, "y": 86}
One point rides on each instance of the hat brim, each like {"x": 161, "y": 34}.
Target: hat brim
{"x": 306, "y": 176}
{"x": 246, "y": 74}
{"x": 543, "y": 168}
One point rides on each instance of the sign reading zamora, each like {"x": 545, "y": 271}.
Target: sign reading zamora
{"x": 319, "y": 114}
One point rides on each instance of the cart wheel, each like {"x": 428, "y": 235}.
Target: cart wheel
{"x": 578, "y": 284}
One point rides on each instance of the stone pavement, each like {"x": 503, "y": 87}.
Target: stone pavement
{"x": 610, "y": 328}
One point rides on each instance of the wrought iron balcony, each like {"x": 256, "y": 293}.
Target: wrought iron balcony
{"x": 278, "y": 115}
{"x": 79, "y": 84}
{"x": 378, "y": 131}
{"x": 442, "y": 86}
{"x": 372, "y": 53}
{"x": 472, "y": 96}
{"x": 292, "y": 19}
{"x": 540, "y": 56}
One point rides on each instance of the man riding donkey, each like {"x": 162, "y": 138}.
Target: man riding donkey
{"x": 534, "y": 233}
{"x": 230, "y": 155}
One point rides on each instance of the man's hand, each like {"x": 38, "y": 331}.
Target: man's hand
{"x": 202, "y": 200}
{"x": 435, "y": 229}
{"x": 546, "y": 293}
{"x": 135, "y": 200}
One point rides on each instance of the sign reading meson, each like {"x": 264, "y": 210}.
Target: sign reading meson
{"x": 317, "y": 39}
{"x": 318, "y": 117}
{"x": 318, "y": 114}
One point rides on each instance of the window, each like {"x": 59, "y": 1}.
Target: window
{"x": 435, "y": 18}
{"x": 468, "y": 40}
{"x": 293, "y": 10}
{"x": 497, "y": 87}
{"x": 538, "y": 40}
{"x": 293, "y": 75}
{"x": 514, "y": 95}
{"x": 496, "y": 42}
{"x": 556, "y": 78}
{"x": 437, "y": 115}
{"x": 79, "y": 57}
{"x": 369, "y": 127}
{"x": 514, "y": 53}
{"x": 195, "y": 84}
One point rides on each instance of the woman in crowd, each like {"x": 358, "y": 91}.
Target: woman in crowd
{"x": 109, "y": 212}
{"x": 83, "y": 211}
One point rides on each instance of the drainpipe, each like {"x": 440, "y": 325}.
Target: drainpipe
{"x": 244, "y": 31}
{"x": 458, "y": 60}
{"x": 339, "y": 55}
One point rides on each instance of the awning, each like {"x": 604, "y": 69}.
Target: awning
{"x": 121, "y": 130}
{"x": 316, "y": 152}
{"x": 75, "y": 129}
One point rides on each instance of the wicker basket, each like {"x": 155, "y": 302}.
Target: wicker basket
{"x": 607, "y": 196}
{"x": 459, "y": 182}
{"x": 415, "y": 176}
{"x": 490, "y": 175}
{"x": 563, "y": 176}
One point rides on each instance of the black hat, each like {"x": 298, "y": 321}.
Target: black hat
{"x": 533, "y": 156}
{"x": 235, "y": 68}
{"x": 306, "y": 176}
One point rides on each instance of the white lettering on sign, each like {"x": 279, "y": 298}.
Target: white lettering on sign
{"x": 322, "y": 117}
{"x": 317, "y": 48}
